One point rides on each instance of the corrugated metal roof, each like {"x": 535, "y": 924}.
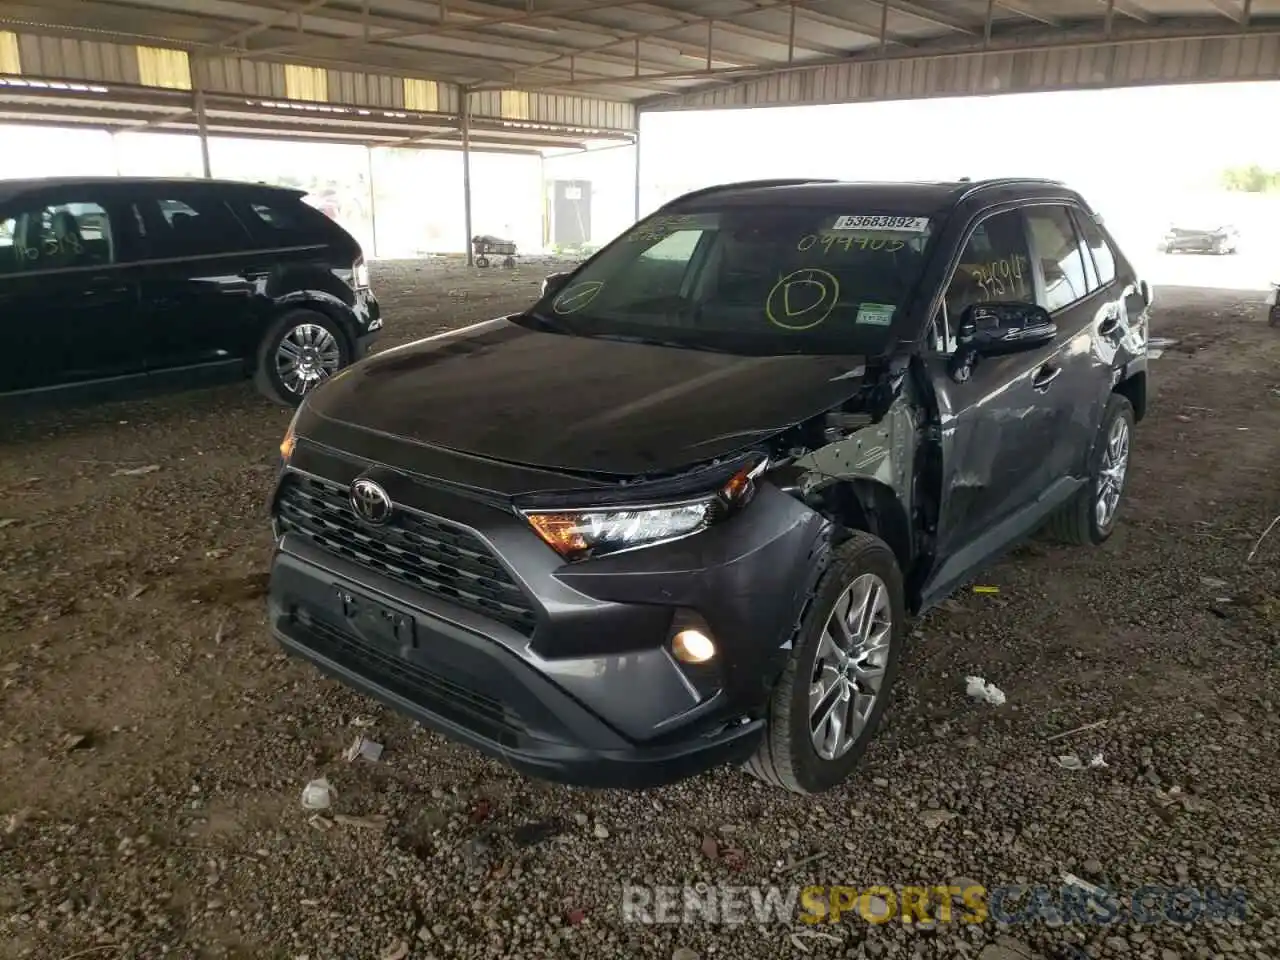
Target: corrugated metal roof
{"x": 584, "y": 63}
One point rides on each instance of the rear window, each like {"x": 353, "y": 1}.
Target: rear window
{"x": 288, "y": 221}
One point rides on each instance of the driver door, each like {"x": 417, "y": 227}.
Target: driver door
{"x": 996, "y": 422}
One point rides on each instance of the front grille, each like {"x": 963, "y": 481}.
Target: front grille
{"x": 429, "y": 690}
{"x": 436, "y": 557}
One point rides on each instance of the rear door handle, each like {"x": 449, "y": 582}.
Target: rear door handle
{"x": 1045, "y": 376}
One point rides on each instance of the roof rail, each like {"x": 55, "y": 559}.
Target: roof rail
{"x": 782, "y": 182}
{"x": 976, "y": 185}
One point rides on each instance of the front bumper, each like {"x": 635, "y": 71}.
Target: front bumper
{"x": 364, "y": 343}
{"x": 368, "y": 314}
{"x": 584, "y": 691}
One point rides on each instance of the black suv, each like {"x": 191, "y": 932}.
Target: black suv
{"x": 677, "y": 513}
{"x": 111, "y": 281}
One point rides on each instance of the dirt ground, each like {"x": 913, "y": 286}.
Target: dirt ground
{"x": 154, "y": 743}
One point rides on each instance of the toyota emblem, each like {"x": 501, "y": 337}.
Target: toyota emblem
{"x": 370, "y": 502}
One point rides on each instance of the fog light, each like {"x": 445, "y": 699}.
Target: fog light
{"x": 692, "y": 646}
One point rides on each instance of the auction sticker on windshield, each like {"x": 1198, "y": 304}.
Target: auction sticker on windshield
{"x": 896, "y": 224}
{"x": 875, "y": 314}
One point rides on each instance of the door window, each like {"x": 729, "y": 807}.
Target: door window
{"x": 994, "y": 266}
{"x": 195, "y": 225}
{"x": 1060, "y": 252}
{"x": 1104, "y": 260}
{"x": 57, "y": 236}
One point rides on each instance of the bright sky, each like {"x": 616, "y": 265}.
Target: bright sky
{"x": 1176, "y": 137}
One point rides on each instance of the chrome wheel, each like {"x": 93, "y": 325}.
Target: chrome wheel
{"x": 307, "y": 355}
{"x": 1115, "y": 461}
{"x": 853, "y": 655}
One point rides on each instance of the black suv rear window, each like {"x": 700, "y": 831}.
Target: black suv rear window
{"x": 287, "y": 221}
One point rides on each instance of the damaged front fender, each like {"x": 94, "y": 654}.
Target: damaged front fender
{"x": 862, "y": 476}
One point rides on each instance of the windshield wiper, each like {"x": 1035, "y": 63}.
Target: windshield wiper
{"x": 656, "y": 342}
{"x": 546, "y": 322}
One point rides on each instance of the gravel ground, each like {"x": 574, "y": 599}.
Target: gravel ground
{"x": 154, "y": 744}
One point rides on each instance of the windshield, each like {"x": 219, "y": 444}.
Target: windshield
{"x": 749, "y": 280}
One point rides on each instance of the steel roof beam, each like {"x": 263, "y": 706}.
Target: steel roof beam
{"x": 1085, "y": 39}
{"x": 616, "y": 38}
{"x": 444, "y": 27}
{"x": 201, "y": 35}
{"x": 927, "y": 15}
{"x": 268, "y": 22}
{"x": 1131, "y": 10}
{"x": 400, "y": 23}
{"x": 1231, "y": 9}
{"x": 731, "y": 26}
{"x": 642, "y": 36}
{"x": 425, "y": 29}
{"x": 1027, "y": 8}
{"x": 862, "y": 28}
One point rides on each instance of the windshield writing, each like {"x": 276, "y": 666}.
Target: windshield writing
{"x": 773, "y": 281}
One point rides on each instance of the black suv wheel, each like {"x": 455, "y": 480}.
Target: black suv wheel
{"x": 301, "y": 350}
{"x": 1090, "y": 516}
{"x": 833, "y": 692}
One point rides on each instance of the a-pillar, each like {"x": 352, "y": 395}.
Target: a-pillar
{"x": 466, "y": 173}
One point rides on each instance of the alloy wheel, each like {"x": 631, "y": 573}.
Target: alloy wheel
{"x": 307, "y": 355}
{"x": 1115, "y": 462}
{"x": 850, "y": 666}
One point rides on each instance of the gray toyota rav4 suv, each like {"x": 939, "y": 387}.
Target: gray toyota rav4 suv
{"x": 677, "y": 513}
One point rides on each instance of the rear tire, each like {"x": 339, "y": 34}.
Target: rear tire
{"x": 300, "y": 351}
{"x": 1082, "y": 521}
{"x": 821, "y": 674}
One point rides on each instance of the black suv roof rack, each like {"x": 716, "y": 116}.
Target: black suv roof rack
{"x": 781, "y": 182}
{"x": 976, "y": 185}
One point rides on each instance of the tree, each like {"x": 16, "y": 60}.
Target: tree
{"x": 1251, "y": 179}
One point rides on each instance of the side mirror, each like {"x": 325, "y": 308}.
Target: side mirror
{"x": 993, "y": 329}
{"x": 554, "y": 283}
{"x": 1144, "y": 289}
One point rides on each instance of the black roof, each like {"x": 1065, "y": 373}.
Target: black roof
{"x": 14, "y": 188}
{"x": 921, "y": 197}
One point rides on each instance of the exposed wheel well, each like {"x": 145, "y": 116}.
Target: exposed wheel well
{"x": 873, "y": 507}
{"x": 1134, "y": 389}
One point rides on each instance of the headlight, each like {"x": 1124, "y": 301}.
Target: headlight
{"x": 360, "y": 275}
{"x": 577, "y": 534}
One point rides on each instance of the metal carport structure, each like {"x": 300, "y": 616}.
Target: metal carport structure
{"x": 530, "y": 75}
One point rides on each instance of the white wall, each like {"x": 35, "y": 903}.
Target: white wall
{"x": 1135, "y": 154}
{"x": 611, "y": 171}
